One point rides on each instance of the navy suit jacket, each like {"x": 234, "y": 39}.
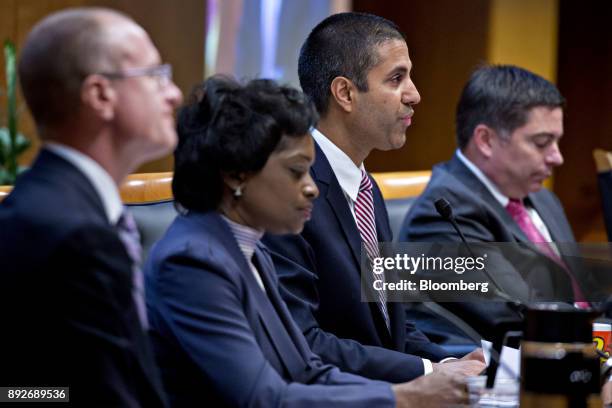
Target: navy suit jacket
{"x": 66, "y": 300}
{"x": 319, "y": 271}
{"x": 530, "y": 277}
{"x": 222, "y": 341}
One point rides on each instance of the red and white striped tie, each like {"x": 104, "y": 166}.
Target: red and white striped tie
{"x": 364, "y": 213}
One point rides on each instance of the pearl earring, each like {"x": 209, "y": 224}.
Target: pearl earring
{"x": 238, "y": 192}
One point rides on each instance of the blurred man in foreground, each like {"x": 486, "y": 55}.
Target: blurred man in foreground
{"x": 71, "y": 295}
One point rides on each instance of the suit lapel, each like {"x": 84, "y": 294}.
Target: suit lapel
{"x": 270, "y": 316}
{"x": 277, "y": 321}
{"x": 383, "y": 233}
{"x": 546, "y": 216}
{"x": 572, "y": 265}
{"x": 383, "y": 229}
{"x": 457, "y": 168}
{"x": 266, "y": 267}
{"x": 330, "y": 188}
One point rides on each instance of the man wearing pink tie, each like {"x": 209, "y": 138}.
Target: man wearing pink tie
{"x": 509, "y": 124}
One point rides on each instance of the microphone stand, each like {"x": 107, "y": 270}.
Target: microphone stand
{"x": 504, "y": 329}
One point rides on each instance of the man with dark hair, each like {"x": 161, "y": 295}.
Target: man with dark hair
{"x": 509, "y": 124}
{"x": 356, "y": 68}
{"x": 71, "y": 298}
{"x": 343, "y": 45}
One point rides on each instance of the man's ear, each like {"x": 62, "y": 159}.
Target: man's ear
{"x": 343, "y": 92}
{"x": 484, "y": 138}
{"x": 99, "y": 96}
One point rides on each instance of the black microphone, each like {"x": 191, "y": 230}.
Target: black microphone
{"x": 446, "y": 211}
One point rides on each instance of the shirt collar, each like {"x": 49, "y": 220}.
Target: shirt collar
{"x": 499, "y": 196}
{"x": 246, "y": 237}
{"x": 102, "y": 181}
{"x": 348, "y": 175}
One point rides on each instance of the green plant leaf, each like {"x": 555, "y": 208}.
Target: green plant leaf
{"x": 21, "y": 144}
{"x": 11, "y": 84}
{"x": 12, "y": 143}
{"x": 4, "y": 177}
{"x": 11, "y": 92}
{"x": 5, "y": 142}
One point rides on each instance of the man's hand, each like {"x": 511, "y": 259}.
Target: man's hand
{"x": 440, "y": 389}
{"x": 477, "y": 355}
{"x": 469, "y": 365}
{"x": 606, "y": 394}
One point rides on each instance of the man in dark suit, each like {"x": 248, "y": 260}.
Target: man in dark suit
{"x": 71, "y": 298}
{"x": 356, "y": 69}
{"x": 509, "y": 123}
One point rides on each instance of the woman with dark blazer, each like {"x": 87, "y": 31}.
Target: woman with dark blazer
{"x": 222, "y": 334}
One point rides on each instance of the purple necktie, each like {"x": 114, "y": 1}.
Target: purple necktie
{"x": 519, "y": 213}
{"x": 364, "y": 213}
{"x": 128, "y": 232}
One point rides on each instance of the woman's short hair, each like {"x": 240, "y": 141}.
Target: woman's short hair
{"x": 230, "y": 128}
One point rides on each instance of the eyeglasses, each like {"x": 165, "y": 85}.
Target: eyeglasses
{"x": 162, "y": 73}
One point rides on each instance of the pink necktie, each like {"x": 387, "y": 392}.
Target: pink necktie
{"x": 364, "y": 212}
{"x": 521, "y": 217}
